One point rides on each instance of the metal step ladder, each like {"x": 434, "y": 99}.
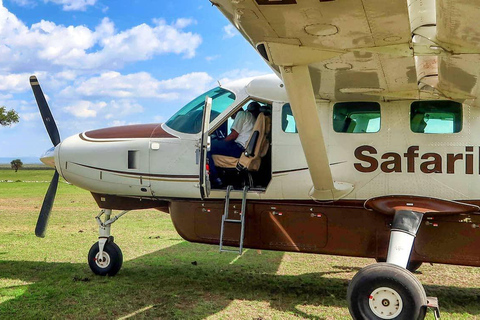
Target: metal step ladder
{"x": 226, "y": 219}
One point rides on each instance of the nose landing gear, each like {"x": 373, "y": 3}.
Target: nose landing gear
{"x": 105, "y": 257}
{"x": 107, "y": 263}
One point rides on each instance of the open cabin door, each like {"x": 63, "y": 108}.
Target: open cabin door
{"x": 204, "y": 139}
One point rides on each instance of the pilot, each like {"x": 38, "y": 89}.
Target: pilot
{"x": 235, "y": 143}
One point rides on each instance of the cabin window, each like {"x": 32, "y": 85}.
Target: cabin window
{"x": 189, "y": 118}
{"x": 288, "y": 121}
{"x": 356, "y": 117}
{"x": 436, "y": 117}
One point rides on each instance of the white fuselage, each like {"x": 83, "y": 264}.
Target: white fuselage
{"x": 167, "y": 166}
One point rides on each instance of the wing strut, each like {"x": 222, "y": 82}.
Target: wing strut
{"x": 302, "y": 100}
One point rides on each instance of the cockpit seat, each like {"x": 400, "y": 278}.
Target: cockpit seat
{"x": 257, "y": 148}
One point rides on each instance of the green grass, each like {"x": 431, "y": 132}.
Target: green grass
{"x": 26, "y": 167}
{"x": 49, "y": 278}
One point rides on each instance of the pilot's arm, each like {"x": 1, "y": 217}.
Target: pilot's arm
{"x": 232, "y": 136}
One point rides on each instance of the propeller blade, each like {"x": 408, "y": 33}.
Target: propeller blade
{"x": 46, "y": 207}
{"x": 45, "y": 111}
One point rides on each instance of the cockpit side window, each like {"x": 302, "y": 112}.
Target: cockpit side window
{"x": 189, "y": 118}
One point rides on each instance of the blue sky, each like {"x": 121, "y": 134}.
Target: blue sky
{"x": 103, "y": 63}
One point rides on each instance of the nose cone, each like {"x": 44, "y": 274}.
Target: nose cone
{"x": 48, "y": 158}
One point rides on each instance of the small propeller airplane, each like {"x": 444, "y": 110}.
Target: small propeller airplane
{"x": 366, "y": 146}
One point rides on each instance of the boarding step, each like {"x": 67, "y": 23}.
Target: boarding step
{"x": 226, "y": 219}
{"x": 229, "y": 250}
{"x": 432, "y": 303}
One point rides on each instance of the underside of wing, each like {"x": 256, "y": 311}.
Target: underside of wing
{"x": 368, "y": 49}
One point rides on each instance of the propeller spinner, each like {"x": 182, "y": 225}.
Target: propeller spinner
{"x": 52, "y": 130}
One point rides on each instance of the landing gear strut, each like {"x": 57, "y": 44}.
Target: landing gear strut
{"x": 105, "y": 257}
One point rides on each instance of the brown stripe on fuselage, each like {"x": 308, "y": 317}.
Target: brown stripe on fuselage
{"x": 153, "y": 130}
{"x": 143, "y": 174}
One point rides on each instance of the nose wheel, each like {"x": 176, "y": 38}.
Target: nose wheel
{"x": 105, "y": 258}
{"x": 106, "y": 263}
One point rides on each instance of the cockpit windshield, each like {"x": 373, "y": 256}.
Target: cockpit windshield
{"x": 189, "y": 118}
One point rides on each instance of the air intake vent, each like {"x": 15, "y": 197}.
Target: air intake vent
{"x": 267, "y": 2}
{"x": 263, "y": 51}
{"x": 132, "y": 159}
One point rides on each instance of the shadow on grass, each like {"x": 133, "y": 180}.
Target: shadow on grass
{"x": 167, "y": 284}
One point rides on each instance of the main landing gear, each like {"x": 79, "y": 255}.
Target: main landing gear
{"x": 105, "y": 257}
{"x": 389, "y": 290}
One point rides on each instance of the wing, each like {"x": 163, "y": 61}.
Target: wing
{"x": 368, "y": 49}
{"x": 361, "y": 50}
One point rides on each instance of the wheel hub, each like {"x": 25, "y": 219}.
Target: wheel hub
{"x": 102, "y": 261}
{"x": 385, "y": 303}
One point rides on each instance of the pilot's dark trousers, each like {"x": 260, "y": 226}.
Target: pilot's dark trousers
{"x": 222, "y": 147}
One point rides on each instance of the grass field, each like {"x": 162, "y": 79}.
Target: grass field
{"x": 36, "y": 167}
{"x": 49, "y": 278}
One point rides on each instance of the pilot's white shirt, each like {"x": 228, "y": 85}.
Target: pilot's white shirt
{"x": 243, "y": 124}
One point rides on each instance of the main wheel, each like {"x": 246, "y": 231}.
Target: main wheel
{"x": 110, "y": 262}
{"x": 386, "y": 291}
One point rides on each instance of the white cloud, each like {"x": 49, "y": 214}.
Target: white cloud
{"x": 30, "y": 116}
{"x": 159, "y": 119}
{"x": 85, "y": 109}
{"x": 182, "y": 23}
{"x": 5, "y": 97}
{"x": 122, "y": 108}
{"x": 113, "y": 110}
{"x": 113, "y": 96}
{"x": 68, "y": 75}
{"x": 48, "y": 46}
{"x": 211, "y": 58}
{"x": 14, "y": 82}
{"x": 24, "y": 3}
{"x": 138, "y": 85}
{"x": 117, "y": 123}
{"x": 114, "y": 84}
{"x": 71, "y": 5}
{"x": 236, "y": 74}
{"x": 229, "y": 31}
{"x": 196, "y": 82}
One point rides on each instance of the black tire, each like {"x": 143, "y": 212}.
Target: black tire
{"x": 113, "y": 262}
{"x": 412, "y": 265}
{"x": 393, "y": 286}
